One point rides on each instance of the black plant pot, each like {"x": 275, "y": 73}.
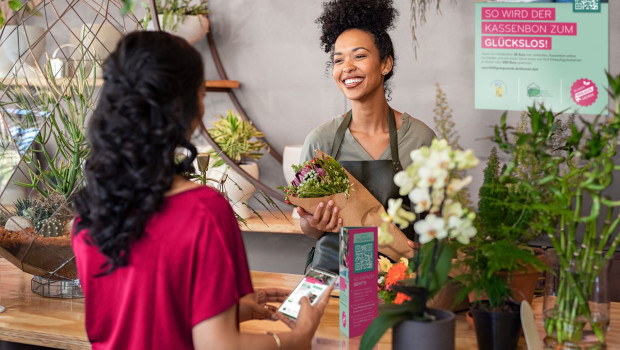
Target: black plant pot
{"x": 497, "y": 330}
{"x": 435, "y": 335}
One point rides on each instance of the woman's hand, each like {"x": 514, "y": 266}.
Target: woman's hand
{"x": 324, "y": 219}
{"x": 309, "y": 315}
{"x": 254, "y": 306}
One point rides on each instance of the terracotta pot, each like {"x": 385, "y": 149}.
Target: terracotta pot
{"x": 522, "y": 283}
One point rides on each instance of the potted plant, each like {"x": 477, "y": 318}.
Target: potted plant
{"x": 22, "y": 43}
{"x": 432, "y": 186}
{"x": 488, "y": 266}
{"x": 586, "y": 234}
{"x": 180, "y": 17}
{"x": 54, "y": 163}
{"x": 240, "y": 141}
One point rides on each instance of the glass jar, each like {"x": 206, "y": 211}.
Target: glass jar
{"x": 576, "y": 304}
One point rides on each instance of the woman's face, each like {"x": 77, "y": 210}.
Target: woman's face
{"x": 357, "y": 67}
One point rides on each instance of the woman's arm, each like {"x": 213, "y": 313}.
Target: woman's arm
{"x": 221, "y": 331}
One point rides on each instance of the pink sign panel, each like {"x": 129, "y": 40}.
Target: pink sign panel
{"x": 516, "y": 42}
{"x": 529, "y": 28}
{"x": 518, "y": 13}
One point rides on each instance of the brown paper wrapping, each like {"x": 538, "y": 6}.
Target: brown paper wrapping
{"x": 361, "y": 208}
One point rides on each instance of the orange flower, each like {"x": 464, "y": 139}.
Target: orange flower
{"x": 396, "y": 273}
{"x": 401, "y": 298}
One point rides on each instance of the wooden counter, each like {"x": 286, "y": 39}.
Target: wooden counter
{"x": 59, "y": 323}
{"x": 273, "y": 222}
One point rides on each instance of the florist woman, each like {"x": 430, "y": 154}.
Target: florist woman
{"x": 372, "y": 139}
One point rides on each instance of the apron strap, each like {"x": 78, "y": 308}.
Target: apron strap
{"x": 396, "y": 165}
{"x": 342, "y": 129}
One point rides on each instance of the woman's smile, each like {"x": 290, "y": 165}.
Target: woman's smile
{"x": 350, "y": 83}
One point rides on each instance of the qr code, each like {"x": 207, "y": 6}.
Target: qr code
{"x": 364, "y": 257}
{"x": 591, "y": 5}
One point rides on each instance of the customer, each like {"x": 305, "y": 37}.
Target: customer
{"x": 160, "y": 258}
{"x": 372, "y": 141}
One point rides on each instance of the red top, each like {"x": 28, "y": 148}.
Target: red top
{"x": 189, "y": 265}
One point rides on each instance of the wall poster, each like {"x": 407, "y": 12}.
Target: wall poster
{"x": 554, "y": 53}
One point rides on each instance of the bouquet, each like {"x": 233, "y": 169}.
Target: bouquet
{"x": 318, "y": 177}
{"x": 322, "y": 179}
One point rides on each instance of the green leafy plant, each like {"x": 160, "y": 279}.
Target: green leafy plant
{"x": 65, "y": 106}
{"x": 504, "y": 217}
{"x": 237, "y": 138}
{"x": 174, "y": 12}
{"x": 581, "y": 173}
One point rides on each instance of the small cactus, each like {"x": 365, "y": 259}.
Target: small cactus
{"x": 51, "y": 228}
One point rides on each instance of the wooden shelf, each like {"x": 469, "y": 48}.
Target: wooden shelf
{"x": 212, "y": 85}
{"x": 221, "y": 85}
{"x": 273, "y": 222}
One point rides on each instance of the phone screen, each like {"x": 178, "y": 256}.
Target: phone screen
{"x": 313, "y": 285}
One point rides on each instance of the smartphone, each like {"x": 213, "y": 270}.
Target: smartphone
{"x": 314, "y": 284}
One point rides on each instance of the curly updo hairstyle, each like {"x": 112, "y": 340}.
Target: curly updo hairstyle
{"x": 373, "y": 16}
{"x": 148, "y": 105}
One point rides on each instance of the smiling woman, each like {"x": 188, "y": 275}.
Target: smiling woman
{"x": 367, "y": 140}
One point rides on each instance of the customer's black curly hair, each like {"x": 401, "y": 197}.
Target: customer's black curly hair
{"x": 148, "y": 104}
{"x": 373, "y": 16}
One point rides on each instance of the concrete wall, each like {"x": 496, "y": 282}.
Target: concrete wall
{"x": 272, "y": 48}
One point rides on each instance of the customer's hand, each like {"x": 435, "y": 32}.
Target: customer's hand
{"x": 324, "y": 219}
{"x": 309, "y": 315}
{"x": 254, "y": 306}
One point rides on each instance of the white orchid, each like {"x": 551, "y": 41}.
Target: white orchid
{"x": 422, "y": 199}
{"x": 404, "y": 181}
{"x": 461, "y": 229}
{"x": 398, "y": 215}
{"x": 432, "y": 227}
{"x": 465, "y": 159}
{"x": 431, "y": 188}
{"x": 452, "y": 208}
{"x": 456, "y": 185}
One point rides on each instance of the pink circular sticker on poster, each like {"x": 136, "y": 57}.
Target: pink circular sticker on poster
{"x": 584, "y": 92}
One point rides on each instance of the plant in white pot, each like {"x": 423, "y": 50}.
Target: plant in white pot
{"x": 241, "y": 142}
{"x": 21, "y": 44}
{"x": 180, "y": 17}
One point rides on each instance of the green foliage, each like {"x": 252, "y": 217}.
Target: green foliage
{"x": 65, "y": 106}
{"x": 235, "y": 137}
{"x": 174, "y": 12}
{"x": 581, "y": 173}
